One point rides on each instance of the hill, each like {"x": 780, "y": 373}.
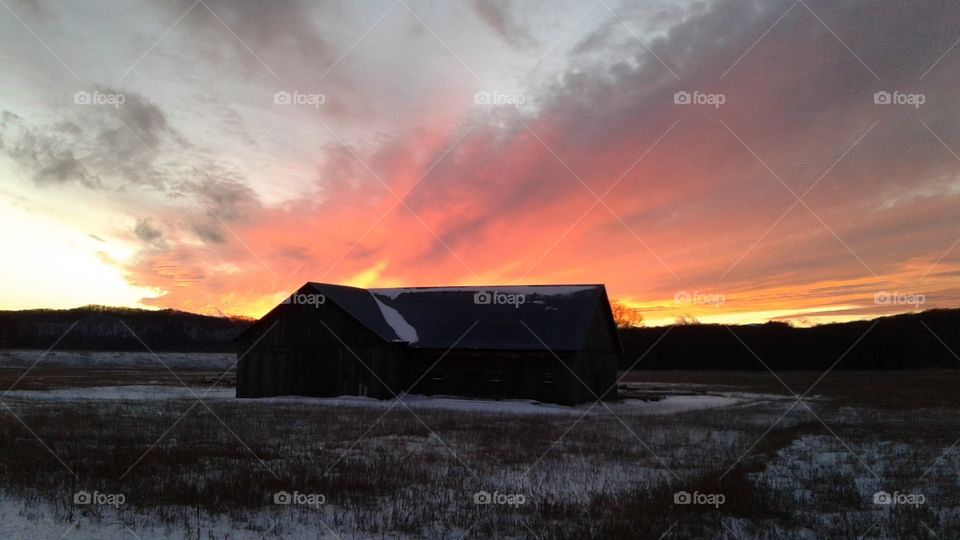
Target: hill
{"x": 910, "y": 341}
{"x": 917, "y": 340}
{"x": 118, "y": 329}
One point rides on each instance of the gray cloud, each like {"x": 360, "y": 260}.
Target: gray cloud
{"x": 209, "y": 232}
{"x": 497, "y": 15}
{"x": 227, "y": 199}
{"x": 280, "y": 33}
{"x": 146, "y": 231}
{"x": 42, "y": 154}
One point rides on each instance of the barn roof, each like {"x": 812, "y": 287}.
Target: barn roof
{"x": 505, "y": 317}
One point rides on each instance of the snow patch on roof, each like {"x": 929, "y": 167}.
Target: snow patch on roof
{"x": 396, "y": 321}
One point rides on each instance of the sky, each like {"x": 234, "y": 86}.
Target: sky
{"x": 713, "y": 161}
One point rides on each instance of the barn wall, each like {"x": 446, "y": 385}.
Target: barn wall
{"x": 290, "y": 352}
{"x": 535, "y": 375}
{"x": 598, "y": 371}
{"x": 602, "y": 335}
{"x": 597, "y": 362}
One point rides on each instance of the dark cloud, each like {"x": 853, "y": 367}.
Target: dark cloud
{"x": 147, "y": 232}
{"x": 209, "y": 232}
{"x": 497, "y": 14}
{"x": 278, "y": 36}
{"x": 98, "y": 145}
{"x": 139, "y": 125}
{"x": 228, "y": 200}
{"x": 116, "y": 147}
{"x": 42, "y": 154}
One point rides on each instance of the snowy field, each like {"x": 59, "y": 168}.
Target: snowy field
{"x": 132, "y": 360}
{"x": 154, "y": 454}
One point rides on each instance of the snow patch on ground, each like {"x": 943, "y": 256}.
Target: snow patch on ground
{"x": 418, "y": 402}
{"x": 629, "y": 407}
{"x": 122, "y": 393}
{"x": 680, "y": 404}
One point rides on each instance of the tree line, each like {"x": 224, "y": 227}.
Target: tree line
{"x": 920, "y": 340}
{"x": 118, "y": 329}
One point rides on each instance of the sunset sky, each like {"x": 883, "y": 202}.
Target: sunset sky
{"x": 211, "y": 156}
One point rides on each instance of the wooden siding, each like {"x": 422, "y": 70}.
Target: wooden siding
{"x": 320, "y": 350}
{"x": 315, "y": 350}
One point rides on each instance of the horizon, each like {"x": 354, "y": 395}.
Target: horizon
{"x": 223, "y": 153}
{"x": 642, "y": 324}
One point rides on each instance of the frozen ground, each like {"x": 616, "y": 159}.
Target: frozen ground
{"x": 412, "y": 469}
{"x": 632, "y": 407}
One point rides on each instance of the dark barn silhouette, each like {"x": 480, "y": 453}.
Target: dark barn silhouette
{"x": 551, "y": 343}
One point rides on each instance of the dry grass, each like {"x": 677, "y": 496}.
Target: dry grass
{"x": 404, "y": 476}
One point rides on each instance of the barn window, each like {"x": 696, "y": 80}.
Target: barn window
{"x": 436, "y": 376}
{"x": 472, "y": 376}
{"x": 548, "y": 378}
{"x": 496, "y": 377}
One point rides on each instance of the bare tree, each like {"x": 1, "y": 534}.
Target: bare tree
{"x": 626, "y": 317}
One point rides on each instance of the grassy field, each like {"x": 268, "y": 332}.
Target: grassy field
{"x": 755, "y": 462}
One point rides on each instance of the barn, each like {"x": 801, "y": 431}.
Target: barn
{"x": 551, "y": 343}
